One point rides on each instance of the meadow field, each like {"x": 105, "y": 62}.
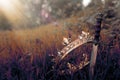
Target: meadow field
{"x": 27, "y": 54}
{"x": 32, "y": 34}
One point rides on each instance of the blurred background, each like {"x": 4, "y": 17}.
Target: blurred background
{"x": 20, "y": 14}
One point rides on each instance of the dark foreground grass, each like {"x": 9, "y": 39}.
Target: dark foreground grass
{"x": 20, "y": 66}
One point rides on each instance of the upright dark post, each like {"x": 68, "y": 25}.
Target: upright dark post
{"x": 95, "y": 45}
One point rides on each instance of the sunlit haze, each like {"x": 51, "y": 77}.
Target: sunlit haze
{"x": 5, "y": 4}
{"x": 23, "y": 13}
{"x": 13, "y": 11}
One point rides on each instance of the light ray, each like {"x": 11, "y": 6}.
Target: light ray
{"x": 5, "y": 4}
{"x": 14, "y": 12}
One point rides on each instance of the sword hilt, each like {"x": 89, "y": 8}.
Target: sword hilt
{"x": 98, "y": 28}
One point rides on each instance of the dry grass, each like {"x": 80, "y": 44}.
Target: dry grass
{"x": 32, "y": 40}
{"x": 24, "y": 54}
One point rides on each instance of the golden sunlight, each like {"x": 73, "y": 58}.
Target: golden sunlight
{"x": 13, "y": 11}
{"x": 5, "y": 4}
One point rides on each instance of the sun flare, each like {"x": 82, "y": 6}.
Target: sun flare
{"x": 5, "y": 4}
{"x": 13, "y": 11}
